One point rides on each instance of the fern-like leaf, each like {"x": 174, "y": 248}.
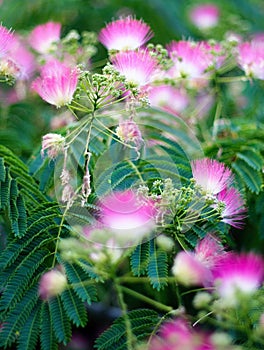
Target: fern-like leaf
{"x": 157, "y": 267}
{"x": 47, "y": 335}
{"x": 252, "y": 179}
{"x": 74, "y": 307}
{"x": 60, "y": 322}
{"x": 140, "y": 258}
{"x": 142, "y": 323}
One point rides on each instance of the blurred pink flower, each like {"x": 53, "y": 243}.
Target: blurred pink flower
{"x": 127, "y": 215}
{"x": 234, "y": 211}
{"x": 250, "y": 58}
{"x": 125, "y": 34}
{"x": 194, "y": 268}
{"x": 57, "y": 83}
{"x": 205, "y": 16}
{"x": 136, "y": 66}
{"x": 52, "y": 283}
{"x": 6, "y": 41}
{"x": 44, "y": 35}
{"x": 128, "y": 131}
{"x": 236, "y": 272}
{"x": 53, "y": 144}
{"x": 211, "y": 175}
{"x": 179, "y": 335}
{"x": 168, "y": 98}
{"x": 23, "y": 59}
{"x": 190, "y": 61}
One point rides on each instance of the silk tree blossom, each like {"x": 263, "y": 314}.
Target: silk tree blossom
{"x": 211, "y": 175}
{"x": 136, "y": 66}
{"x": 205, "y": 16}
{"x": 178, "y": 334}
{"x": 238, "y": 273}
{"x": 234, "y": 207}
{"x": 128, "y": 218}
{"x": 125, "y": 34}
{"x": 57, "y": 83}
{"x": 6, "y": 41}
{"x": 194, "y": 268}
{"x": 216, "y": 54}
{"x": 52, "y": 283}
{"x": 190, "y": 60}
{"x": 128, "y": 131}
{"x": 44, "y": 35}
{"x": 168, "y": 98}
{"x": 22, "y": 58}
{"x": 53, "y": 144}
{"x": 250, "y": 58}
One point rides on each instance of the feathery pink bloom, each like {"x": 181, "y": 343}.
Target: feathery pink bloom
{"x": 53, "y": 144}
{"x": 6, "y": 40}
{"x": 22, "y": 58}
{"x": 127, "y": 215}
{"x": 234, "y": 211}
{"x": 44, "y": 35}
{"x": 168, "y": 98}
{"x": 238, "y": 272}
{"x": 251, "y": 58}
{"x": 211, "y": 175}
{"x": 125, "y": 34}
{"x": 205, "y": 16}
{"x": 52, "y": 283}
{"x": 57, "y": 83}
{"x": 189, "y": 59}
{"x": 128, "y": 131}
{"x": 179, "y": 335}
{"x": 215, "y": 54}
{"x": 194, "y": 268}
{"x": 136, "y": 66}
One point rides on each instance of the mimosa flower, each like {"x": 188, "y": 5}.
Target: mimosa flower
{"x": 137, "y": 67}
{"x": 211, "y": 175}
{"x": 168, "y": 98}
{"x": 194, "y": 268}
{"x": 6, "y": 41}
{"x": 57, "y": 83}
{"x": 129, "y": 132}
{"x": 52, "y": 283}
{"x": 125, "y": 34}
{"x": 234, "y": 211}
{"x": 23, "y": 59}
{"x": 189, "y": 59}
{"x": 44, "y": 35}
{"x": 205, "y": 16}
{"x": 235, "y": 273}
{"x": 129, "y": 217}
{"x": 179, "y": 335}
{"x": 251, "y": 58}
{"x": 53, "y": 143}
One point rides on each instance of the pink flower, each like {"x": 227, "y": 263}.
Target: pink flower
{"x": 190, "y": 61}
{"x": 194, "y": 268}
{"x": 53, "y": 143}
{"x": 128, "y": 216}
{"x": 205, "y": 16}
{"x": 179, "y": 335}
{"x": 6, "y": 41}
{"x": 44, "y": 35}
{"x": 125, "y": 34}
{"x": 251, "y": 58}
{"x": 128, "y": 131}
{"x": 215, "y": 54}
{"x": 57, "y": 83}
{"x": 52, "y": 283}
{"x": 211, "y": 175}
{"x": 168, "y": 98}
{"x": 23, "y": 59}
{"x": 137, "y": 67}
{"x": 234, "y": 210}
{"x": 236, "y": 272}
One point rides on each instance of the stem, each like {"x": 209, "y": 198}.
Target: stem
{"x": 148, "y": 300}
{"x": 130, "y": 340}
